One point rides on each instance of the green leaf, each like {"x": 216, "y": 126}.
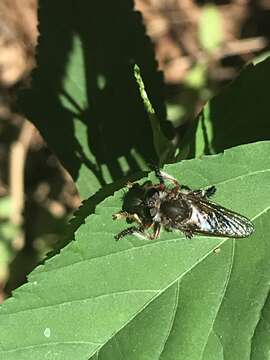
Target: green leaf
{"x": 172, "y": 298}
{"x": 196, "y": 77}
{"x": 5, "y": 258}
{"x": 239, "y": 114}
{"x": 84, "y": 99}
{"x": 164, "y": 148}
{"x": 5, "y": 207}
{"x": 260, "y": 342}
{"x": 261, "y": 57}
{"x": 210, "y": 28}
{"x": 213, "y": 349}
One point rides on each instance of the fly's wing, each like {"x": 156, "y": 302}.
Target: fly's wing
{"x": 212, "y": 219}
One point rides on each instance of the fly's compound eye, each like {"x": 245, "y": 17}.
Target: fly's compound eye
{"x": 133, "y": 199}
{"x": 152, "y": 198}
{"x": 153, "y": 211}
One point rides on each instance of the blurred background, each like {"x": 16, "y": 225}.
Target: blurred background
{"x": 199, "y": 46}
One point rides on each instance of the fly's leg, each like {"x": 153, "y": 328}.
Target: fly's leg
{"x": 205, "y": 194}
{"x": 210, "y": 191}
{"x": 185, "y": 187}
{"x": 140, "y": 232}
{"x": 159, "y": 175}
{"x": 156, "y": 232}
{"x": 125, "y": 215}
{"x": 187, "y": 230}
{"x": 120, "y": 215}
{"x": 188, "y": 233}
{"x": 130, "y": 184}
{"x": 162, "y": 176}
{"x": 129, "y": 231}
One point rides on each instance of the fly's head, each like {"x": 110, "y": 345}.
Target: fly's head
{"x": 136, "y": 201}
{"x": 133, "y": 200}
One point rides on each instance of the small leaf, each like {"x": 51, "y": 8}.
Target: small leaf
{"x": 164, "y": 148}
{"x": 5, "y": 207}
{"x": 196, "y": 77}
{"x": 210, "y": 28}
{"x": 238, "y": 115}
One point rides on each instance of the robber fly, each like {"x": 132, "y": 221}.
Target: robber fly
{"x": 178, "y": 208}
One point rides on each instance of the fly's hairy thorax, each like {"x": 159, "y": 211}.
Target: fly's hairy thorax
{"x": 173, "y": 208}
